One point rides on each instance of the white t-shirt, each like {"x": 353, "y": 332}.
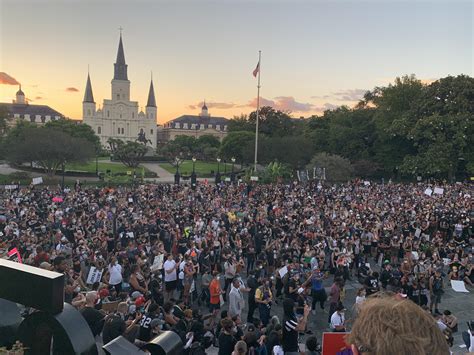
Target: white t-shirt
{"x": 337, "y": 320}
{"x": 168, "y": 266}
{"x": 115, "y": 272}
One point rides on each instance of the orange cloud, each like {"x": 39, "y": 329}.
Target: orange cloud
{"x": 218, "y": 105}
{"x": 71, "y": 89}
{"x": 283, "y": 103}
{"x": 7, "y": 79}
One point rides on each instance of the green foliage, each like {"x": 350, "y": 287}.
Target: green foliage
{"x": 336, "y": 167}
{"x": 79, "y": 130}
{"x": 202, "y": 168}
{"x": 239, "y": 145}
{"x": 3, "y": 120}
{"x": 47, "y": 147}
{"x": 275, "y": 172}
{"x": 129, "y": 153}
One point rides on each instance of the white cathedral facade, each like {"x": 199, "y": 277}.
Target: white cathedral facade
{"x": 119, "y": 117}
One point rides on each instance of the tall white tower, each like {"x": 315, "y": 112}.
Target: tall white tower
{"x": 20, "y": 97}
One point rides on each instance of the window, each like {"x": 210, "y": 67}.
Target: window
{"x": 43, "y": 119}
{"x": 202, "y": 126}
{"x": 119, "y": 130}
{"x": 176, "y": 125}
{"x": 88, "y": 112}
{"x": 108, "y": 113}
{"x": 120, "y": 115}
{"x": 218, "y": 127}
{"x": 151, "y": 131}
{"x": 118, "y": 96}
{"x": 209, "y": 126}
{"x": 185, "y": 126}
{"x": 133, "y": 114}
{"x": 123, "y": 130}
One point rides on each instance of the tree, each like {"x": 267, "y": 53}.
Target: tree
{"x": 3, "y": 120}
{"x": 46, "y": 147}
{"x": 441, "y": 142}
{"x": 274, "y": 122}
{"x": 276, "y": 171}
{"x": 129, "y": 153}
{"x": 78, "y": 130}
{"x": 336, "y": 167}
{"x": 207, "y": 140}
{"x": 240, "y": 123}
{"x": 238, "y": 145}
{"x": 295, "y": 151}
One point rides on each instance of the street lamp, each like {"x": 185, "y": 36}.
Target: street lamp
{"x": 232, "y": 175}
{"x": 193, "y": 175}
{"x": 218, "y": 175}
{"x": 177, "y": 162}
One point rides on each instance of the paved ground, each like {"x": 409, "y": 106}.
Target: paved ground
{"x": 460, "y": 304}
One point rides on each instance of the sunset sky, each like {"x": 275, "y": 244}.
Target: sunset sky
{"x": 315, "y": 54}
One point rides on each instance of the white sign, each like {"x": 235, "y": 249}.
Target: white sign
{"x": 458, "y": 286}
{"x": 428, "y": 191}
{"x": 157, "y": 263}
{"x": 95, "y": 275}
{"x": 446, "y": 261}
{"x": 37, "y": 180}
{"x": 283, "y": 271}
{"x": 366, "y": 183}
{"x": 438, "y": 190}
{"x": 254, "y": 178}
{"x": 11, "y": 187}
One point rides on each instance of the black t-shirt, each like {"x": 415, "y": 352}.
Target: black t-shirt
{"x": 94, "y": 319}
{"x": 226, "y": 344}
{"x": 145, "y": 328}
{"x": 290, "y": 335}
{"x": 114, "y": 326}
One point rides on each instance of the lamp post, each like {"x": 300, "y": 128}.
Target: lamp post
{"x": 218, "y": 175}
{"x": 193, "y": 175}
{"x": 232, "y": 175}
{"x": 177, "y": 177}
{"x": 96, "y": 164}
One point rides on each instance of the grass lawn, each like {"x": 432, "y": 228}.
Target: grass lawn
{"x": 104, "y": 165}
{"x": 202, "y": 168}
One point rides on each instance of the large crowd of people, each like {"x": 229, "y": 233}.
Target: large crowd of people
{"x": 213, "y": 263}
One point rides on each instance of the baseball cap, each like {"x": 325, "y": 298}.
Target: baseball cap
{"x": 140, "y": 301}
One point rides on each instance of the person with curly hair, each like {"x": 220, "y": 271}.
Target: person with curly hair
{"x": 391, "y": 326}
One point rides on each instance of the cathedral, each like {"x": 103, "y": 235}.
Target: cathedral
{"x": 119, "y": 117}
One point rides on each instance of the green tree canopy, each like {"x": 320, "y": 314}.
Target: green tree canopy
{"x": 129, "y": 153}
{"x": 77, "y": 129}
{"x": 48, "y": 148}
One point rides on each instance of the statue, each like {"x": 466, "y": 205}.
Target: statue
{"x": 142, "y": 138}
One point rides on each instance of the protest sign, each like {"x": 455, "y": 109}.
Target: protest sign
{"x": 458, "y": 286}
{"x": 95, "y": 275}
{"x": 14, "y": 255}
{"x": 37, "y": 180}
{"x": 438, "y": 190}
{"x": 334, "y": 343}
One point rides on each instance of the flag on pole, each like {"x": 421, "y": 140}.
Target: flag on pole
{"x": 257, "y": 69}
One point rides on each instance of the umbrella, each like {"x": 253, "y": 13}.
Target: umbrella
{"x": 57, "y": 199}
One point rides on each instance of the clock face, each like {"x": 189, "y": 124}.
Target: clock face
{"x": 120, "y": 108}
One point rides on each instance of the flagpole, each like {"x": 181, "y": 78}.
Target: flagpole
{"x": 258, "y": 111}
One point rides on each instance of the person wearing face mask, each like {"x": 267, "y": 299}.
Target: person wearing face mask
{"x": 338, "y": 320}
{"x": 264, "y": 297}
{"x": 215, "y": 295}
{"x": 292, "y": 326}
{"x": 114, "y": 273}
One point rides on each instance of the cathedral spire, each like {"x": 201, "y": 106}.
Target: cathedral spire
{"x": 151, "y": 96}
{"x": 88, "y": 96}
{"x": 120, "y": 68}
